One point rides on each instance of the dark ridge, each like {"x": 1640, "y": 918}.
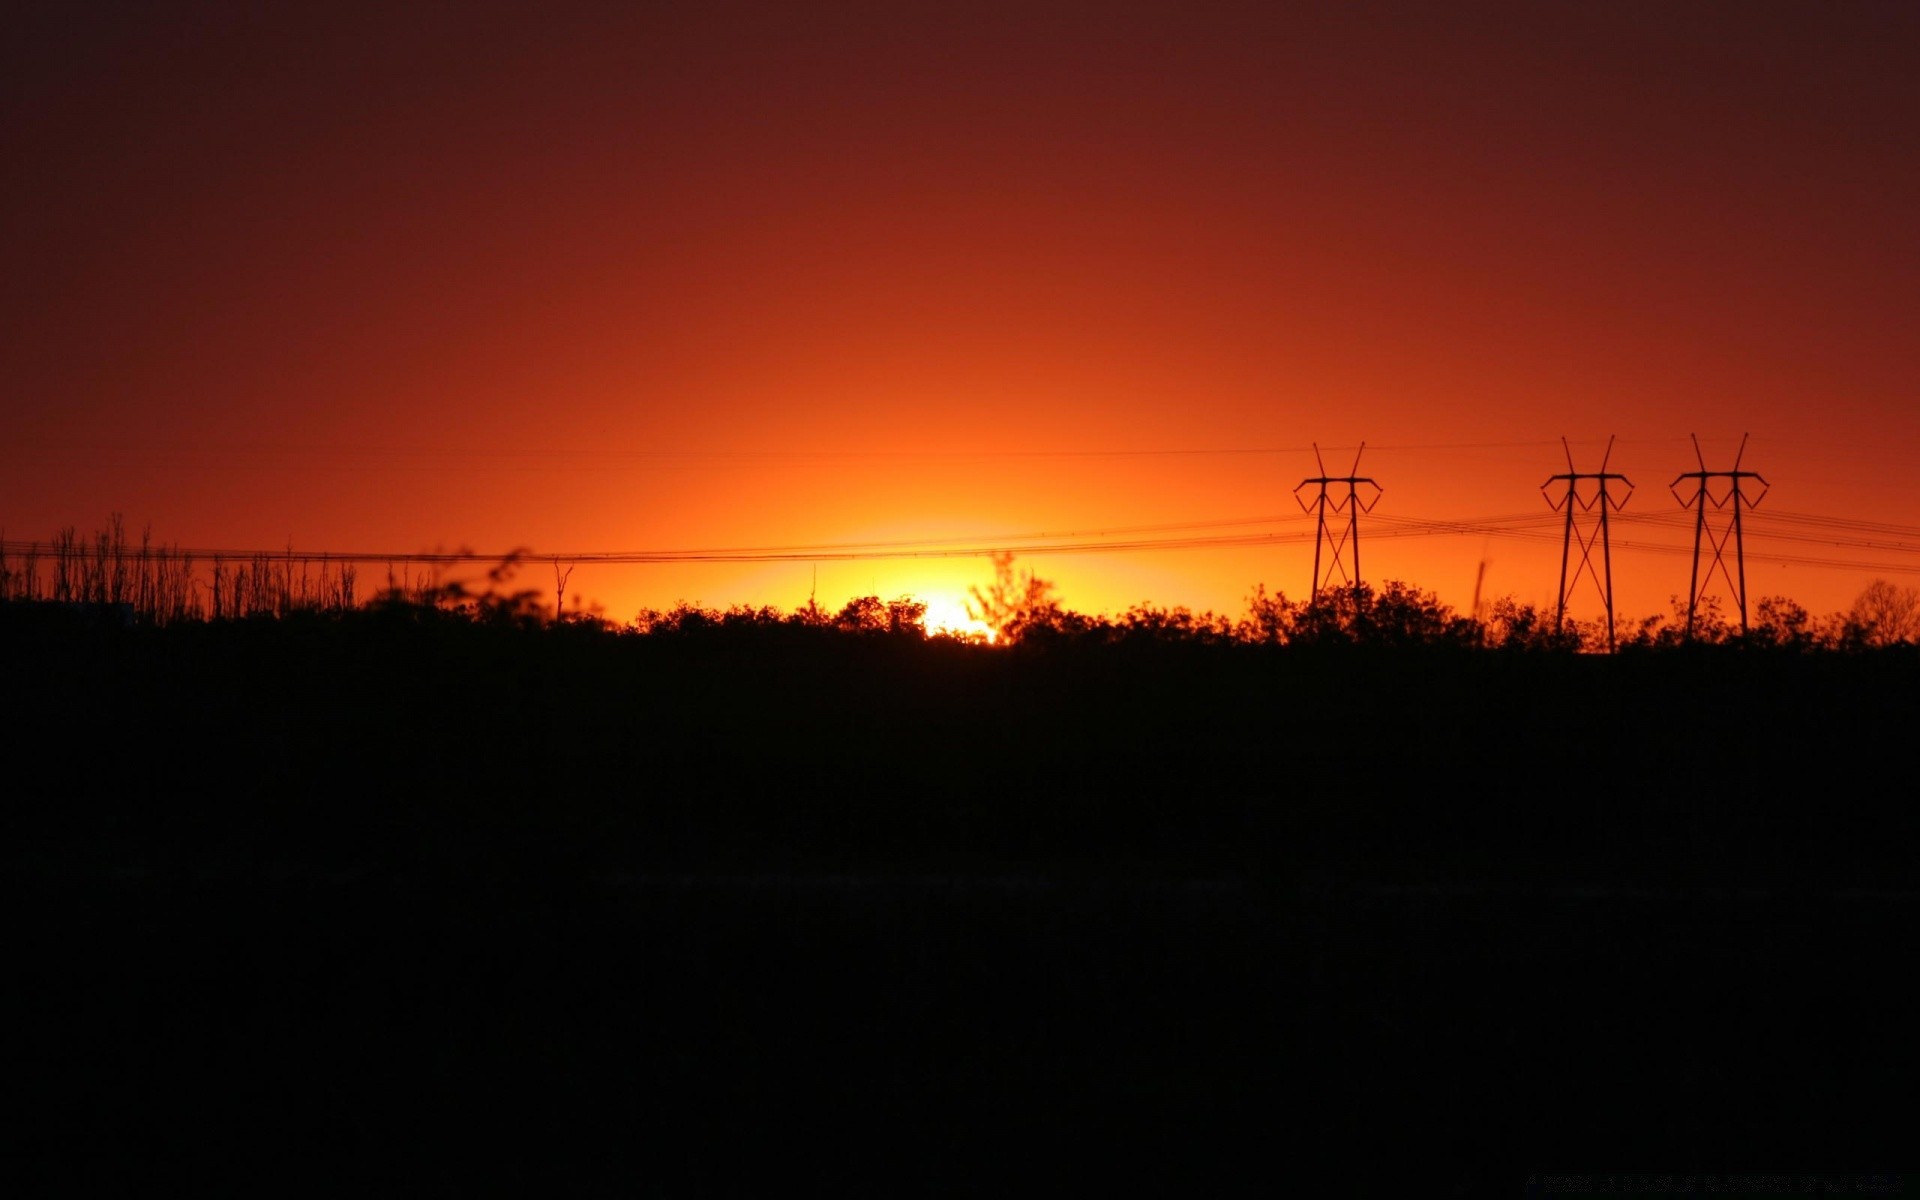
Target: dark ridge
{"x": 403, "y": 899}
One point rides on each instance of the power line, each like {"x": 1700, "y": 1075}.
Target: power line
{"x": 1763, "y": 528}
{"x": 420, "y": 453}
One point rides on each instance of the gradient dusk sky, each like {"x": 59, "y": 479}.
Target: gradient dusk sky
{"x": 620, "y": 277}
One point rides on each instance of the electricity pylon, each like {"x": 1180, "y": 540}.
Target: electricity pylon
{"x": 1732, "y": 501}
{"x": 1342, "y": 544}
{"x": 1599, "y": 501}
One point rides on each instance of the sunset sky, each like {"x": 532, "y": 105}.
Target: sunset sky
{"x": 592, "y": 278}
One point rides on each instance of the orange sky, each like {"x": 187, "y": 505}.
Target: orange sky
{"x": 638, "y": 277}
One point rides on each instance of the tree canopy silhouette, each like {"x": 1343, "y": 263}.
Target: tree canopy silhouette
{"x": 1887, "y": 613}
{"x": 1015, "y": 603}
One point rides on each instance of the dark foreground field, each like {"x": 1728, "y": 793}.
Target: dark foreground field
{"x": 386, "y": 906}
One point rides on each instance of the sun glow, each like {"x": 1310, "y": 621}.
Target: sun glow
{"x": 946, "y": 615}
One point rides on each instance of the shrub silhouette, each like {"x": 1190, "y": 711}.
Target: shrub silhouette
{"x": 1397, "y": 615}
{"x": 1513, "y": 626}
{"x": 902, "y": 615}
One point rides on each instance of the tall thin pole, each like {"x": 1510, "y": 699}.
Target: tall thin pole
{"x": 1606, "y": 542}
{"x": 1566, "y": 549}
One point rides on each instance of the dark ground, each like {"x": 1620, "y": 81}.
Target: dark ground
{"x": 400, "y": 908}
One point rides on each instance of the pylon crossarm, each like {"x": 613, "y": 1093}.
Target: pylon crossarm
{"x": 1765, "y": 487}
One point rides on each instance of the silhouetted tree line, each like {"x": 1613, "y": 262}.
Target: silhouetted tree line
{"x": 1021, "y": 609}
{"x": 110, "y": 578}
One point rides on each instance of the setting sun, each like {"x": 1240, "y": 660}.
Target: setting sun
{"x": 946, "y": 615}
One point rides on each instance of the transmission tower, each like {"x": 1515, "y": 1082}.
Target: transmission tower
{"x": 1730, "y": 502}
{"x": 1598, "y": 501}
{"x": 1342, "y": 544}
